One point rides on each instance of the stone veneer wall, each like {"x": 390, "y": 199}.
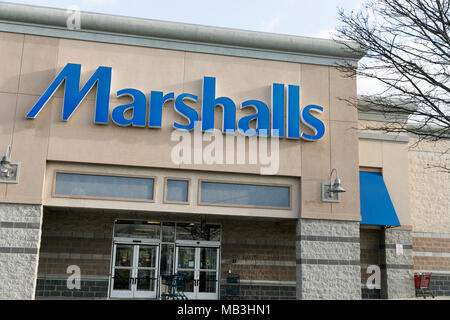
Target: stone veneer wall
{"x": 20, "y": 229}
{"x": 87, "y": 250}
{"x": 431, "y": 253}
{"x": 328, "y": 259}
{"x": 430, "y": 211}
{"x": 397, "y": 269}
{"x": 262, "y": 291}
{"x": 440, "y": 284}
{"x": 57, "y": 289}
{"x": 429, "y": 186}
{"x": 263, "y": 254}
{"x": 90, "y": 251}
{"x": 81, "y": 239}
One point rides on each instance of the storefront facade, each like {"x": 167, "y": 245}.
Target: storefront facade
{"x": 104, "y": 193}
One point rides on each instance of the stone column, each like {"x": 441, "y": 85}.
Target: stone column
{"x": 20, "y": 234}
{"x": 397, "y": 271}
{"x": 328, "y": 259}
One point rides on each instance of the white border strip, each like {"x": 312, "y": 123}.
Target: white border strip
{"x": 383, "y": 137}
{"x": 431, "y": 254}
{"x": 84, "y": 256}
{"x": 266, "y": 282}
{"x": 277, "y": 263}
{"x": 431, "y": 235}
{"x": 65, "y": 277}
{"x": 432, "y": 271}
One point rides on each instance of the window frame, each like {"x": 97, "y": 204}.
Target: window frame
{"x": 200, "y": 203}
{"x": 54, "y": 195}
{"x": 188, "y": 191}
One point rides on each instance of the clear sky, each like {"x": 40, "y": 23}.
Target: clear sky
{"x": 310, "y": 18}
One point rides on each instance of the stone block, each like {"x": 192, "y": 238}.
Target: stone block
{"x": 328, "y": 254}
{"x": 19, "y": 246}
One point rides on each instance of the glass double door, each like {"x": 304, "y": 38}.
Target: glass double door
{"x": 135, "y": 270}
{"x": 201, "y": 268}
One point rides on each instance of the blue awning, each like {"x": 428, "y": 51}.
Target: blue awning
{"x": 376, "y": 204}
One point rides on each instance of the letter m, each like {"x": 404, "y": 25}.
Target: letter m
{"x": 73, "y": 95}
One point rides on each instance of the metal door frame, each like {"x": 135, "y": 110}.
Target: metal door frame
{"x": 197, "y": 245}
{"x": 134, "y": 293}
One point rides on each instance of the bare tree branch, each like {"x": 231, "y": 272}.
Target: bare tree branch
{"x": 408, "y": 53}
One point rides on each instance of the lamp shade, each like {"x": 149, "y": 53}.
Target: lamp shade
{"x": 336, "y": 187}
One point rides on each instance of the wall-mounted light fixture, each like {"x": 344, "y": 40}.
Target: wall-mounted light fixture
{"x": 330, "y": 192}
{"x": 9, "y": 172}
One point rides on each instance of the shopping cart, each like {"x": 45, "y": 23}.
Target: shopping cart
{"x": 422, "y": 284}
{"x": 175, "y": 284}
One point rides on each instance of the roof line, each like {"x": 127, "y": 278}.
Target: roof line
{"x": 119, "y": 29}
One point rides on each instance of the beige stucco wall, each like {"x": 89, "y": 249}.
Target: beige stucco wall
{"x": 429, "y": 186}
{"x": 415, "y": 175}
{"x": 30, "y": 63}
{"x": 392, "y": 159}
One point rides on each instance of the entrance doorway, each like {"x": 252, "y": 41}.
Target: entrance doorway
{"x": 135, "y": 270}
{"x": 199, "y": 262}
{"x": 146, "y": 252}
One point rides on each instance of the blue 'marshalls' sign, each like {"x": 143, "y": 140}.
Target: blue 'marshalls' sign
{"x": 268, "y": 120}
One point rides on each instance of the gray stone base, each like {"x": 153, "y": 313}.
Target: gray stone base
{"x": 328, "y": 259}
{"x": 262, "y": 292}
{"x": 57, "y": 289}
{"x": 20, "y": 234}
{"x": 370, "y": 293}
{"x": 98, "y": 289}
{"x": 397, "y": 268}
{"x": 440, "y": 285}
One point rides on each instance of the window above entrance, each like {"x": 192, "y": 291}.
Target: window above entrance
{"x": 176, "y": 191}
{"x": 245, "y": 195}
{"x": 166, "y": 232}
{"x": 103, "y": 186}
{"x": 137, "y": 229}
